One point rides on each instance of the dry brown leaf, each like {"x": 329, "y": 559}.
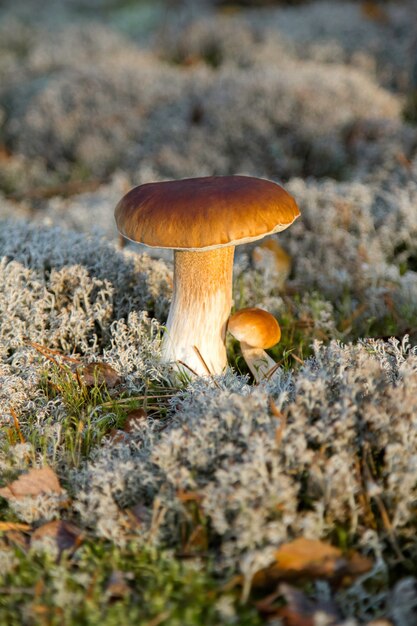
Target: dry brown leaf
{"x": 9, "y": 526}
{"x": 34, "y": 483}
{"x": 98, "y": 374}
{"x": 65, "y": 535}
{"x": 133, "y": 419}
{"x": 310, "y": 558}
{"x": 282, "y": 417}
{"x": 356, "y": 565}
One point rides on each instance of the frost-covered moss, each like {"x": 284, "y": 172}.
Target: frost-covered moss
{"x": 356, "y": 244}
{"x": 347, "y": 411}
{"x": 64, "y": 291}
{"x": 307, "y": 453}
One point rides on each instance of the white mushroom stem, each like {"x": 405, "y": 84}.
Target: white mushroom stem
{"x": 258, "y": 361}
{"x": 200, "y": 308}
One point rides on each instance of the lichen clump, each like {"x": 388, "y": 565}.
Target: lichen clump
{"x": 347, "y": 445}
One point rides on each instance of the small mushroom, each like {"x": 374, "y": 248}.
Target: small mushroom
{"x": 257, "y": 330}
{"x": 202, "y": 219}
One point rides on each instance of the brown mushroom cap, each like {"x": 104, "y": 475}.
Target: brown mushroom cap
{"x": 204, "y": 213}
{"x": 256, "y": 327}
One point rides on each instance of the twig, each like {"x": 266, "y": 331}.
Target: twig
{"x": 388, "y": 526}
{"x": 381, "y": 506}
{"x": 297, "y": 358}
{"x": 133, "y": 399}
{"x": 45, "y": 350}
{"x": 200, "y": 356}
{"x": 47, "y": 354}
{"x": 17, "y": 425}
{"x": 347, "y": 322}
{"x": 364, "y": 497}
{"x": 282, "y": 420}
{"x": 273, "y": 369}
{"x": 158, "y": 514}
{"x": 188, "y": 367}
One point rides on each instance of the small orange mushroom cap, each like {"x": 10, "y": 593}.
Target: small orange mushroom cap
{"x": 256, "y": 327}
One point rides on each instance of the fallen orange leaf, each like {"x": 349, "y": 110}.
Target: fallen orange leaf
{"x": 310, "y": 558}
{"x": 33, "y": 483}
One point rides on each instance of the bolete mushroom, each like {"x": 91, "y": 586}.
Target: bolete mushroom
{"x": 257, "y": 330}
{"x": 202, "y": 219}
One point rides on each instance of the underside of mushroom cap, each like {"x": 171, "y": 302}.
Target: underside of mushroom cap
{"x": 204, "y": 213}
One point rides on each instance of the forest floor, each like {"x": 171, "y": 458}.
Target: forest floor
{"x": 127, "y": 498}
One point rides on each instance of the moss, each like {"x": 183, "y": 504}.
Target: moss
{"x": 155, "y": 588}
{"x": 89, "y": 413}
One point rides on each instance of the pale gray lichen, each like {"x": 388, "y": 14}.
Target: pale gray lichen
{"x": 222, "y": 445}
{"x": 65, "y": 289}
